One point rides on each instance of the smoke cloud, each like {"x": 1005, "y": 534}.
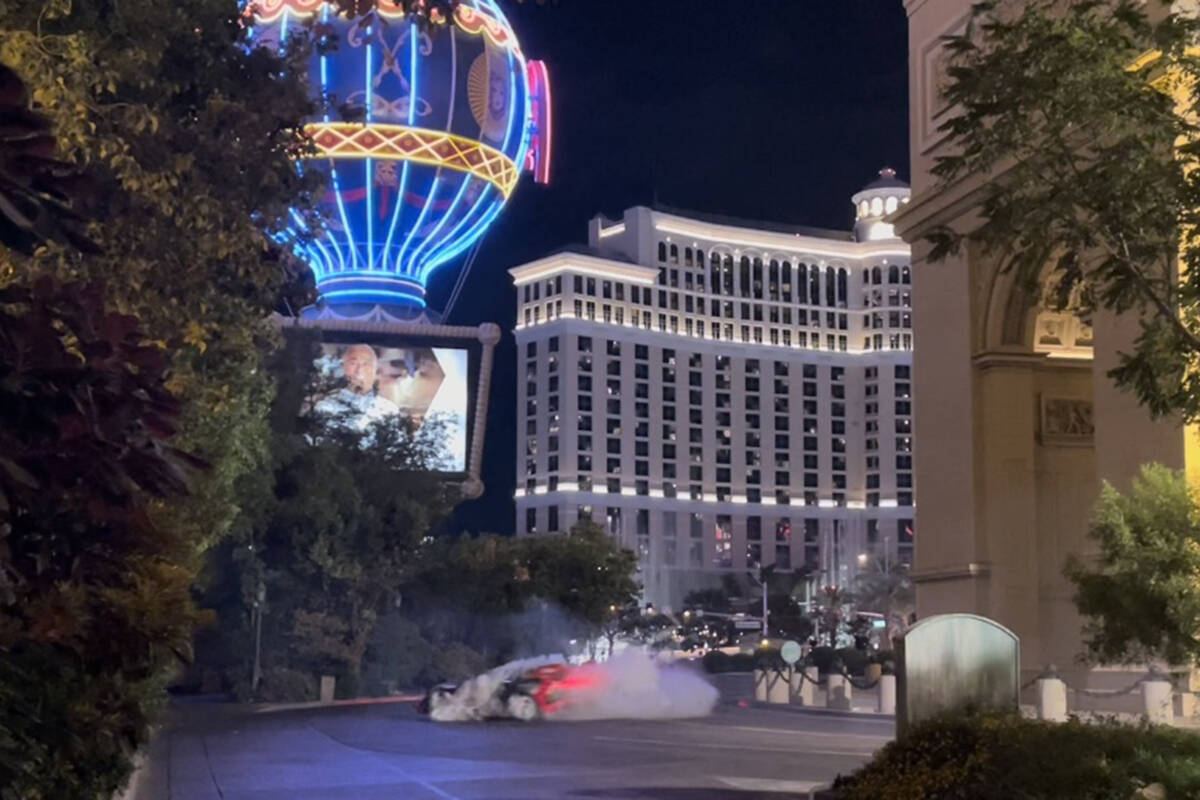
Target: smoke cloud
{"x": 632, "y": 685}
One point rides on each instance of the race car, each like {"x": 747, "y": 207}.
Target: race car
{"x": 524, "y": 690}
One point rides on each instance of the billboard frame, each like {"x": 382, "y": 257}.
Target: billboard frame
{"x": 486, "y": 334}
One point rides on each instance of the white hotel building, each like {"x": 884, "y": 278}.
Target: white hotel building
{"x": 722, "y": 394}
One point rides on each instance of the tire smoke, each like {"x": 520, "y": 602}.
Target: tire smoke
{"x": 632, "y": 685}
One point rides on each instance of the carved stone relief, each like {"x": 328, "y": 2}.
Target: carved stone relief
{"x": 1067, "y": 421}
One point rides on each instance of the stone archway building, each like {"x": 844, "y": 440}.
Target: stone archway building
{"x": 1018, "y": 423}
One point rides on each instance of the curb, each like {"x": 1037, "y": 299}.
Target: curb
{"x": 830, "y": 712}
{"x": 269, "y": 708}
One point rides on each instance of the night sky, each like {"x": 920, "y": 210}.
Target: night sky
{"x": 773, "y": 110}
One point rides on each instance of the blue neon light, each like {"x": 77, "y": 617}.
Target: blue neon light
{"x": 372, "y": 250}
{"x": 439, "y": 256}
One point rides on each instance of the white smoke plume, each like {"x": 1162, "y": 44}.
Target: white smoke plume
{"x": 634, "y": 686}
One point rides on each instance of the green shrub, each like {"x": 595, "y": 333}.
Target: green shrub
{"x": 881, "y": 657}
{"x": 281, "y": 684}
{"x": 998, "y": 757}
{"x": 853, "y": 660}
{"x": 822, "y": 658}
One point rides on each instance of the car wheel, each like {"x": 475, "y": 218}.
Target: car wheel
{"x": 522, "y": 707}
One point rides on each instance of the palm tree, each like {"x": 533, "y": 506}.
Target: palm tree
{"x": 886, "y": 591}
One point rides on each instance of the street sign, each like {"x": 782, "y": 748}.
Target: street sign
{"x": 747, "y": 624}
{"x": 878, "y": 623}
{"x": 790, "y": 652}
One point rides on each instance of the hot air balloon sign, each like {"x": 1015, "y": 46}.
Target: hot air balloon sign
{"x": 431, "y": 113}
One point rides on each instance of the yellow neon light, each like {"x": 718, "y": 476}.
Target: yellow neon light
{"x": 424, "y": 146}
{"x": 469, "y": 19}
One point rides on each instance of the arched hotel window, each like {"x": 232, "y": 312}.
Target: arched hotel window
{"x": 662, "y": 251}
{"x": 801, "y": 283}
{"x": 714, "y": 273}
{"x": 830, "y": 288}
{"x": 787, "y": 280}
{"x": 727, "y": 275}
{"x": 842, "y": 279}
{"x": 687, "y": 256}
{"x": 744, "y": 276}
{"x": 699, "y": 257}
{"x": 758, "y": 278}
{"x": 674, "y": 254}
{"x": 814, "y": 285}
{"x": 876, "y": 275}
{"x": 905, "y": 275}
{"x": 866, "y": 276}
{"x": 893, "y": 274}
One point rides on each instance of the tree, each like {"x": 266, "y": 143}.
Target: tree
{"x": 93, "y": 605}
{"x": 1077, "y": 130}
{"x": 889, "y": 592}
{"x": 40, "y": 196}
{"x": 1141, "y": 596}
{"x": 506, "y": 597}
{"x": 584, "y": 573}
{"x": 190, "y": 138}
{"x": 332, "y": 537}
{"x": 833, "y": 613}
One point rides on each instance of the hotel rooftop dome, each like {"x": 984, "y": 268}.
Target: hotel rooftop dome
{"x": 874, "y": 202}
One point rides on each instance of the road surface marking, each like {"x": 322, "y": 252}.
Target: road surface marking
{"x": 870, "y": 736}
{"x": 716, "y": 746}
{"x": 766, "y": 785}
{"x": 437, "y": 791}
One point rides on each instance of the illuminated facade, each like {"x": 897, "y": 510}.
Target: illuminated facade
{"x": 425, "y": 132}
{"x": 722, "y": 395}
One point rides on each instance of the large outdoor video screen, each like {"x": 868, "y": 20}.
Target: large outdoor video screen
{"x": 422, "y": 382}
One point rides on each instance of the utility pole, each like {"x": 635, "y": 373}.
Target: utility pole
{"x": 259, "y": 600}
{"x": 762, "y": 577}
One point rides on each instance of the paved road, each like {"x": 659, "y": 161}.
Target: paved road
{"x": 387, "y": 751}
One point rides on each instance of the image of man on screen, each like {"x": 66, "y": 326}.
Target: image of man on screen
{"x": 358, "y": 399}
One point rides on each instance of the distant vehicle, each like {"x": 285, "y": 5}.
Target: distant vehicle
{"x": 527, "y": 695}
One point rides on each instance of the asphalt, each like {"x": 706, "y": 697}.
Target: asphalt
{"x": 372, "y": 752}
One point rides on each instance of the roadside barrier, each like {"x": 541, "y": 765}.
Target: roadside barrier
{"x": 1156, "y": 687}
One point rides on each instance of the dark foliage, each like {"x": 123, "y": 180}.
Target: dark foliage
{"x": 92, "y": 606}
{"x": 999, "y": 757}
{"x": 40, "y": 196}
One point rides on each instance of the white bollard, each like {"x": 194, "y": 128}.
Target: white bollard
{"x": 760, "y": 686}
{"x": 1187, "y": 704}
{"x": 837, "y": 692}
{"x": 327, "y": 685}
{"x": 779, "y": 685}
{"x": 804, "y": 681}
{"x": 1160, "y": 702}
{"x": 887, "y": 694}
{"x": 1051, "y": 699}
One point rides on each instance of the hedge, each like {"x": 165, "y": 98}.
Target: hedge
{"x": 1000, "y": 757}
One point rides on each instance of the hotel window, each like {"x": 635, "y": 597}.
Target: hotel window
{"x": 612, "y": 520}
{"x": 531, "y": 520}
